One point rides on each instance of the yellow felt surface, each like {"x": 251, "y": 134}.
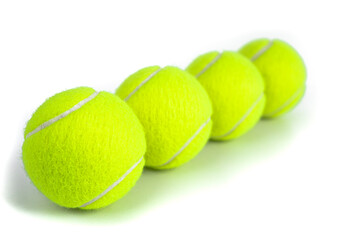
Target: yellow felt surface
{"x": 78, "y": 157}
{"x": 284, "y": 74}
{"x": 233, "y": 84}
{"x": 172, "y": 106}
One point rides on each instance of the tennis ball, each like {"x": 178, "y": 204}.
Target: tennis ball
{"x": 236, "y": 89}
{"x": 84, "y": 149}
{"x": 283, "y": 71}
{"x": 174, "y": 110}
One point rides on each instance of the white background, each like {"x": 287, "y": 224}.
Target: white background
{"x": 296, "y": 177}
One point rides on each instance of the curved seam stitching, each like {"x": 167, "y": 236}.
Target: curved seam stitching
{"x": 142, "y": 83}
{"x": 117, "y": 182}
{"x": 62, "y": 115}
{"x": 242, "y": 119}
{"x": 212, "y": 62}
{"x": 287, "y": 103}
{"x": 187, "y": 143}
{"x": 262, "y": 51}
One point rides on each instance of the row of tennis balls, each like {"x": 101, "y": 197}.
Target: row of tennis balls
{"x": 86, "y": 149}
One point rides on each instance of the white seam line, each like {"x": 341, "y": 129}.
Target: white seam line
{"x": 112, "y": 185}
{"x": 289, "y": 101}
{"x": 262, "y": 51}
{"x": 62, "y": 115}
{"x": 243, "y": 117}
{"x": 209, "y": 65}
{"x": 187, "y": 143}
{"x": 141, "y": 84}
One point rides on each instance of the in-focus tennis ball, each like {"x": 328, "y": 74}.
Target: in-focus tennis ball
{"x": 236, "y": 89}
{"x": 283, "y": 71}
{"x": 174, "y": 110}
{"x": 84, "y": 149}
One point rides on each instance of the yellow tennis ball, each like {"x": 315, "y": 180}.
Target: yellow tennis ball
{"x": 283, "y": 71}
{"x": 236, "y": 89}
{"x": 84, "y": 149}
{"x": 174, "y": 110}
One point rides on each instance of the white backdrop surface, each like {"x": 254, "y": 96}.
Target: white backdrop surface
{"x": 296, "y": 177}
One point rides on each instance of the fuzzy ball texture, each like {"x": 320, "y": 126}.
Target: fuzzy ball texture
{"x": 283, "y": 71}
{"x": 84, "y": 149}
{"x": 236, "y": 89}
{"x": 174, "y": 110}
